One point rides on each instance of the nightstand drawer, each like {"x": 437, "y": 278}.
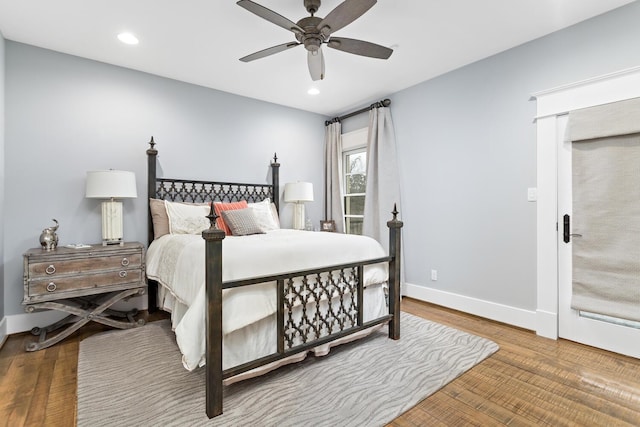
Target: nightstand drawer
{"x": 53, "y": 268}
{"x": 72, "y": 286}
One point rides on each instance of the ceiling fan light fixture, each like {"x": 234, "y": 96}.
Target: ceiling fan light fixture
{"x": 313, "y": 91}
{"x": 312, "y": 44}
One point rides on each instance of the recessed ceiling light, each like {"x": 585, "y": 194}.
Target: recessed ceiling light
{"x": 127, "y": 38}
{"x": 313, "y": 91}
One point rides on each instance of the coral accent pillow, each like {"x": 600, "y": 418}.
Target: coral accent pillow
{"x": 219, "y": 207}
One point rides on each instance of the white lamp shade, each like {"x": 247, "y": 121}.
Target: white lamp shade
{"x": 298, "y": 192}
{"x": 111, "y": 184}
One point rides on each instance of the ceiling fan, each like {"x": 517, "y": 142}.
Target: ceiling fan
{"x": 313, "y": 32}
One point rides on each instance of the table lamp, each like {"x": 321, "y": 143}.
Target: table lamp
{"x": 111, "y": 185}
{"x": 298, "y": 193}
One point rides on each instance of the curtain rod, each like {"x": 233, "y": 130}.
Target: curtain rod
{"x": 383, "y": 103}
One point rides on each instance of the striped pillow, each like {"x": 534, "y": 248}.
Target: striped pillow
{"x": 242, "y": 222}
{"x": 219, "y": 207}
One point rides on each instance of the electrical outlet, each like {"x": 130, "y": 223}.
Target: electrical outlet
{"x": 434, "y": 275}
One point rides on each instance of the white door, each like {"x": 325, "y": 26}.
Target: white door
{"x": 609, "y": 334}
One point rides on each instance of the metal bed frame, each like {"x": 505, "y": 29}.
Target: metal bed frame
{"x": 341, "y": 283}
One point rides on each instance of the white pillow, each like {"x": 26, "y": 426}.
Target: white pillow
{"x": 266, "y": 215}
{"x": 187, "y": 219}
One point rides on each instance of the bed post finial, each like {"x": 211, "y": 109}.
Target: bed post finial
{"x": 275, "y": 181}
{"x": 395, "y": 212}
{"x": 213, "y": 218}
{"x": 151, "y": 151}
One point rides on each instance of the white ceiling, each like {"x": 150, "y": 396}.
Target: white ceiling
{"x": 200, "y": 41}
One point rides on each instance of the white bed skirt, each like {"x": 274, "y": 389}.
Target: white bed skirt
{"x": 259, "y": 338}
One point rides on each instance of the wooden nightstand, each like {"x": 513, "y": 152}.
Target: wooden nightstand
{"x": 84, "y": 283}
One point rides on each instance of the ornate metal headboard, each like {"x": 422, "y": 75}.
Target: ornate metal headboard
{"x": 195, "y": 191}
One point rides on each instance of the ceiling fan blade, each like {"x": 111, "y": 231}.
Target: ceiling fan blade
{"x": 270, "y": 15}
{"x": 316, "y": 64}
{"x": 344, "y": 14}
{"x": 359, "y": 47}
{"x": 269, "y": 51}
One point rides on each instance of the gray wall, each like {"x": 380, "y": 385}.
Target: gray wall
{"x": 466, "y": 143}
{"x": 2, "y": 226}
{"x": 66, "y": 115}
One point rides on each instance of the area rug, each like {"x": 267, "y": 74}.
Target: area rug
{"x": 135, "y": 378}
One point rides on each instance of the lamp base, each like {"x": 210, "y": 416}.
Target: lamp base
{"x": 112, "y": 223}
{"x": 298, "y": 216}
{"x": 113, "y": 242}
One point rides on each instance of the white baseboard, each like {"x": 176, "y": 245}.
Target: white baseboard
{"x": 547, "y": 324}
{"x": 502, "y": 313}
{"x": 23, "y": 322}
{"x": 3, "y": 331}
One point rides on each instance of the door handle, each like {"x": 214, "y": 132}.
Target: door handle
{"x": 567, "y": 229}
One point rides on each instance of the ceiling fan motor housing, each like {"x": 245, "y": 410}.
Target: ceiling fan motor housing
{"x": 312, "y": 38}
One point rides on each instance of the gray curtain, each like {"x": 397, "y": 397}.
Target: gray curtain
{"x": 333, "y": 197}
{"x": 383, "y": 184}
{"x": 606, "y": 209}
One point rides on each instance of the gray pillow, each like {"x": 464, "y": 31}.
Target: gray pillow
{"x": 242, "y": 222}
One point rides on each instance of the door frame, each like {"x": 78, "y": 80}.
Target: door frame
{"x": 552, "y": 103}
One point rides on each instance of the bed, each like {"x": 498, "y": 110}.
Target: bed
{"x": 286, "y": 292}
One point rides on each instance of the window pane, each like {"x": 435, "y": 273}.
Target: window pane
{"x": 354, "y": 225}
{"x": 356, "y": 162}
{"x": 354, "y": 205}
{"x": 356, "y": 183}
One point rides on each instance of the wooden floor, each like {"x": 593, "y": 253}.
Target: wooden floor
{"x": 530, "y": 381}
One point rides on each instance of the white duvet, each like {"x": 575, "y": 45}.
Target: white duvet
{"x": 177, "y": 263}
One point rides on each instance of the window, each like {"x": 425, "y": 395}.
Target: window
{"x": 355, "y": 182}
{"x": 354, "y": 163}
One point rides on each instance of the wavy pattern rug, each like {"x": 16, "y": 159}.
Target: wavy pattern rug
{"x": 135, "y": 378}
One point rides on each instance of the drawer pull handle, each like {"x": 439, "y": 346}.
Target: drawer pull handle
{"x": 123, "y": 274}
{"x": 125, "y": 262}
{"x": 51, "y": 287}
{"x": 50, "y": 270}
